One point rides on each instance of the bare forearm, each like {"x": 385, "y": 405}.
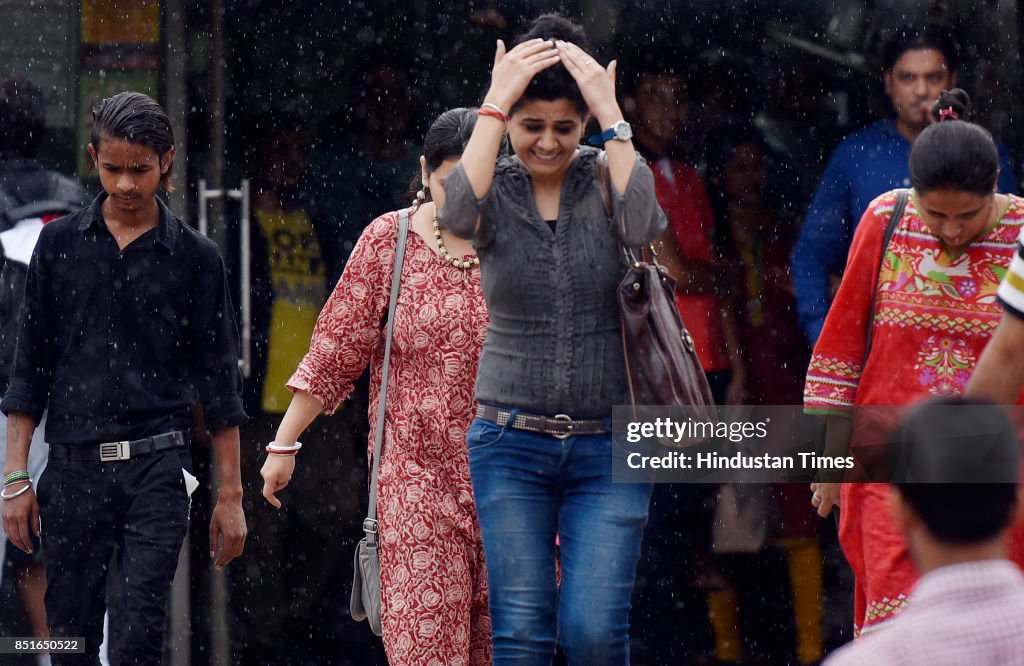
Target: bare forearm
{"x": 20, "y": 427}
{"x": 482, "y": 152}
{"x": 300, "y": 413}
{"x": 999, "y": 375}
{"x": 621, "y": 155}
{"x": 226, "y": 444}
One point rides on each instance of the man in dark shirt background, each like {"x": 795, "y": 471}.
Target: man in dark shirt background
{"x": 30, "y": 196}
{"x": 127, "y": 324}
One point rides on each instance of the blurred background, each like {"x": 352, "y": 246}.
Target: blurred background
{"x": 330, "y": 97}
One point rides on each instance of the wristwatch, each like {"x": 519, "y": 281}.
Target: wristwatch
{"x": 620, "y": 131}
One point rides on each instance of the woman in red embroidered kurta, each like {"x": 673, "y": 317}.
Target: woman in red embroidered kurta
{"x": 433, "y": 580}
{"x": 936, "y": 310}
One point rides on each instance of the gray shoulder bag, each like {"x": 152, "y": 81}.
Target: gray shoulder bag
{"x": 365, "y": 601}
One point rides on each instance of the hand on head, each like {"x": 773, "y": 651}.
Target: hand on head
{"x": 513, "y": 70}
{"x": 596, "y": 83}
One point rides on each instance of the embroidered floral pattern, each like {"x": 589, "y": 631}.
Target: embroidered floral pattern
{"x": 933, "y": 310}
{"x": 944, "y": 365}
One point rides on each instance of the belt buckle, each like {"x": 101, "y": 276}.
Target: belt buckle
{"x": 563, "y": 418}
{"x": 114, "y": 451}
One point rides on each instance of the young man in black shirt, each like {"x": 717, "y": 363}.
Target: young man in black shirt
{"x": 127, "y": 323}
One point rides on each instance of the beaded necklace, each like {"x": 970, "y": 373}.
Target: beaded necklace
{"x": 457, "y": 263}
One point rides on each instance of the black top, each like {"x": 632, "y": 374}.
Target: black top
{"x": 120, "y": 344}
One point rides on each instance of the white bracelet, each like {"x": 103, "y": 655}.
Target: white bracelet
{"x": 274, "y": 447}
{"x": 488, "y": 105}
{"x": 28, "y": 487}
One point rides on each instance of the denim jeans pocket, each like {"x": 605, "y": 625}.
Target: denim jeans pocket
{"x": 483, "y": 434}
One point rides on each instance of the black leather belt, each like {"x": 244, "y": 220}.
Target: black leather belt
{"x": 561, "y": 426}
{"x": 115, "y": 451}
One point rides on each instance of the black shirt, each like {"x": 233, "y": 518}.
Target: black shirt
{"x": 120, "y": 344}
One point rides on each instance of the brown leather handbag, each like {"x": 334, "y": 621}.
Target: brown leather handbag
{"x": 661, "y": 362}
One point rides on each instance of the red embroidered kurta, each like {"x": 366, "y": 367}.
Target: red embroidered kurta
{"x": 433, "y": 580}
{"x": 935, "y": 314}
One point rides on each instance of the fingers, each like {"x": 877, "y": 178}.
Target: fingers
{"x": 231, "y": 548}
{"x": 276, "y": 472}
{"x": 227, "y": 539}
{"x": 536, "y": 55}
{"x": 20, "y": 516}
{"x": 499, "y": 52}
{"x": 576, "y": 59}
{"x": 268, "y": 492}
{"x": 613, "y": 68}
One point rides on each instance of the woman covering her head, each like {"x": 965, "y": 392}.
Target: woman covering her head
{"x": 433, "y": 581}
{"x": 933, "y": 288}
{"x": 552, "y": 366}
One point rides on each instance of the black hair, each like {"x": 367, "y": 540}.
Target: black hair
{"x": 955, "y": 464}
{"x": 555, "y": 82}
{"x": 22, "y": 117}
{"x": 924, "y": 36}
{"x": 952, "y": 104}
{"x": 136, "y": 118}
{"x": 722, "y": 143}
{"x": 446, "y": 138}
{"x": 954, "y": 154}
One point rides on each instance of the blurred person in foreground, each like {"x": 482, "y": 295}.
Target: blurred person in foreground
{"x": 956, "y": 499}
{"x": 30, "y": 196}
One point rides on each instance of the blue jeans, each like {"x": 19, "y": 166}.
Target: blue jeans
{"x": 529, "y": 489}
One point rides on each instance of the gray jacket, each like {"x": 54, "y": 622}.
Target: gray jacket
{"x": 554, "y": 344}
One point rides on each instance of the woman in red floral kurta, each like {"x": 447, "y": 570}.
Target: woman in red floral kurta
{"x": 936, "y": 310}
{"x": 433, "y": 580}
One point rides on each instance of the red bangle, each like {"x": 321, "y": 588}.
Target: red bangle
{"x": 278, "y": 452}
{"x": 492, "y": 114}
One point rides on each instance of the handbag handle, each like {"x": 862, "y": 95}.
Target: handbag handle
{"x": 370, "y": 524}
{"x": 631, "y": 256}
{"x": 890, "y": 229}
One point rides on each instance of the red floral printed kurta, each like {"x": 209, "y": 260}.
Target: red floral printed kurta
{"x": 433, "y": 580}
{"x": 935, "y": 314}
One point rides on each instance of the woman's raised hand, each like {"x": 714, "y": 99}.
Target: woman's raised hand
{"x": 513, "y": 70}
{"x": 597, "y": 83}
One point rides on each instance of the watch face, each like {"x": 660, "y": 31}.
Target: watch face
{"x": 623, "y": 131}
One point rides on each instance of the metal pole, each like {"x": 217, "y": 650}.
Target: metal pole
{"x": 204, "y": 222}
{"x": 215, "y": 164}
{"x": 246, "y": 279}
{"x": 175, "y": 62}
{"x": 220, "y": 655}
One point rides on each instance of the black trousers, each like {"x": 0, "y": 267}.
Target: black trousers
{"x": 87, "y": 509}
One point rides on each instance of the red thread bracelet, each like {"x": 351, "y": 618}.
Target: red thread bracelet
{"x": 491, "y": 113}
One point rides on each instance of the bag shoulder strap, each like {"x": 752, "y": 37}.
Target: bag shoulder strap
{"x": 897, "y": 214}
{"x": 370, "y": 524}
{"x": 630, "y": 256}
